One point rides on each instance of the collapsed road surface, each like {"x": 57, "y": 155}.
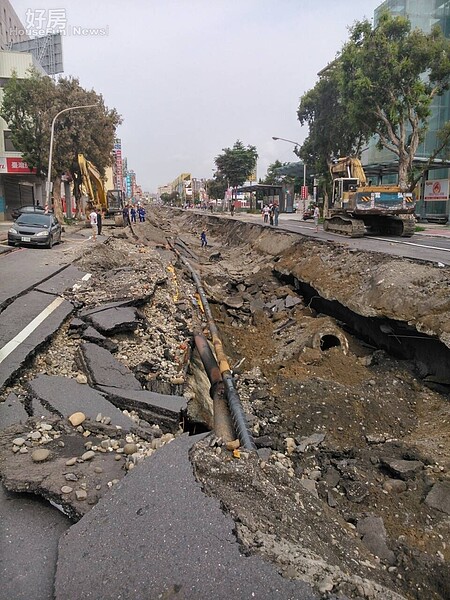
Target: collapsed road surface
{"x": 341, "y": 361}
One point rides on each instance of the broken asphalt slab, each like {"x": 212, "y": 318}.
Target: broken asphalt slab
{"x": 92, "y": 335}
{"x": 29, "y": 535}
{"x": 61, "y": 281}
{"x": 50, "y": 458}
{"x": 158, "y": 535}
{"x": 12, "y": 411}
{"x": 65, "y": 396}
{"x": 25, "y": 325}
{"x": 103, "y": 369}
{"x": 115, "y": 320}
{"x": 164, "y": 410}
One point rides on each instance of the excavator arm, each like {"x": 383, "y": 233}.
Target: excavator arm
{"x": 349, "y": 167}
{"x": 92, "y": 183}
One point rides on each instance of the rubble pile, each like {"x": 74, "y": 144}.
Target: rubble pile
{"x": 349, "y": 489}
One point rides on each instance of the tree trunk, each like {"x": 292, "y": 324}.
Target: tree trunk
{"x": 57, "y": 205}
{"x": 403, "y": 173}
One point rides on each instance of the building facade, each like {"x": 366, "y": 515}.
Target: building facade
{"x": 11, "y": 29}
{"x": 18, "y": 184}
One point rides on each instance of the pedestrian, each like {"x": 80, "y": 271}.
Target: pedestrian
{"x": 203, "y": 239}
{"x": 126, "y": 215}
{"x": 276, "y": 214}
{"x": 232, "y": 209}
{"x": 266, "y": 211}
{"x": 99, "y": 222}
{"x": 93, "y": 222}
{"x": 316, "y": 217}
{"x": 141, "y": 213}
{"x": 133, "y": 214}
{"x": 270, "y": 214}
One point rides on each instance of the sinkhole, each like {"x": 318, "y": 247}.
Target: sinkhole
{"x": 429, "y": 356}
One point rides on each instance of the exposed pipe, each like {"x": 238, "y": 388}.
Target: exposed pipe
{"x": 223, "y": 425}
{"x": 234, "y": 402}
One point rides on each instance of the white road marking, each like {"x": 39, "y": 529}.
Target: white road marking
{"x": 392, "y": 241}
{"x": 28, "y": 330}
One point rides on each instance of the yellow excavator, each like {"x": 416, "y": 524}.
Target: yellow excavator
{"x": 356, "y": 204}
{"x": 111, "y": 202}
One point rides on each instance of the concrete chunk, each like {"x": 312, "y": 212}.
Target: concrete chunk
{"x": 405, "y": 469}
{"x": 439, "y": 497}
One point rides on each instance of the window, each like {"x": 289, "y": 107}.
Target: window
{"x": 9, "y": 146}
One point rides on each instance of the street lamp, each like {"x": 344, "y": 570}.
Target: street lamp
{"x": 50, "y": 155}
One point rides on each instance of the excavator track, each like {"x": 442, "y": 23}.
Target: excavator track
{"x": 407, "y": 225}
{"x": 345, "y": 226}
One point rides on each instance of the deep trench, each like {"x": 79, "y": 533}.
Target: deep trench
{"x": 430, "y": 357}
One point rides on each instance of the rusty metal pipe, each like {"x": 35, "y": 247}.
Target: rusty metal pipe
{"x": 223, "y": 425}
{"x": 234, "y": 402}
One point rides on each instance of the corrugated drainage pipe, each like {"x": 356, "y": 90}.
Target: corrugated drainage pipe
{"x": 234, "y": 402}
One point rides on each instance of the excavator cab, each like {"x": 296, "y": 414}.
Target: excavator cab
{"x": 343, "y": 188}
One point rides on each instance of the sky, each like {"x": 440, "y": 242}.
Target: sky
{"x": 190, "y": 77}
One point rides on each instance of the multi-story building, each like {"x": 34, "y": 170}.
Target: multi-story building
{"x": 424, "y": 15}
{"x": 18, "y": 184}
{"x": 164, "y": 189}
{"x": 11, "y": 29}
{"x": 18, "y": 53}
{"x": 182, "y": 185}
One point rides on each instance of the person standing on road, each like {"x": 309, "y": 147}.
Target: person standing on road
{"x": 276, "y": 214}
{"x": 270, "y": 214}
{"x": 141, "y": 213}
{"x": 126, "y": 215}
{"x": 266, "y": 211}
{"x": 232, "y": 209}
{"x": 99, "y": 222}
{"x": 203, "y": 239}
{"x": 93, "y": 221}
{"x": 133, "y": 214}
{"x": 316, "y": 217}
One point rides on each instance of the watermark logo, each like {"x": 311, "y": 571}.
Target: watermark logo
{"x": 42, "y": 21}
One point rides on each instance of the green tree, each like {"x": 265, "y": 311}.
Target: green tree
{"x": 236, "y": 164}
{"x": 29, "y": 106}
{"x": 383, "y": 84}
{"x": 389, "y": 77}
{"x": 272, "y": 176}
{"x": 332, "y": 130}
{"x": 216, "y": 187}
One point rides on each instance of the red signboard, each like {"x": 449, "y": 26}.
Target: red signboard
{"x": 304, "y": 192}
{"x": 17, "y": 165}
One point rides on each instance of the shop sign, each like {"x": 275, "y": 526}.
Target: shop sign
{"x": 436, "y": 189}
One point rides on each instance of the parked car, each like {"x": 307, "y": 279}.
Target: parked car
{"x": 16, "y": 212}
{"x": 35, "y": 228}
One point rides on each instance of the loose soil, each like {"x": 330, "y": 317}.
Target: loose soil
{"x": 350, "y": 439}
